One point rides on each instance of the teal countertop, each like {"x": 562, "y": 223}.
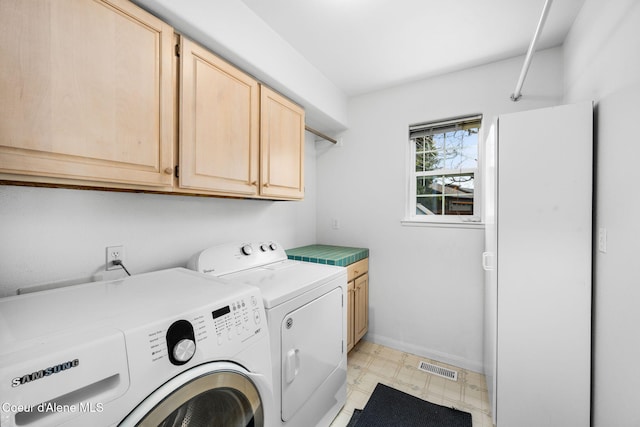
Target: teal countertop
{"x": 328, "y": 254}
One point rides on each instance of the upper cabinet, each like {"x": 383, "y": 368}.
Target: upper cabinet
{"x": 219, "y": 122}
{"x": 237, "y": 137}
{"x": 86, "y": 94}
{"x": 281, "y": 146}
{"x": 92, "y": 94}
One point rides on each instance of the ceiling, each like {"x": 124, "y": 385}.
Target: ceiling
{"x": 366, "y": 45}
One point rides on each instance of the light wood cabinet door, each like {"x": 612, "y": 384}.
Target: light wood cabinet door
{"x": 85, "y": 93}
{"x": 282, "y": 146}
{"x": 350, "y": 315}
{"x": 361, "y": 307}
{"x": 219, "y": 120}
{"x": 357, "y": 269}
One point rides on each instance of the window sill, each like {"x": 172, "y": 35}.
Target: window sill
{"x": 442, "y": 223}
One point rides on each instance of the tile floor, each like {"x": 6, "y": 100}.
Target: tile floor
{"x": 369, "y": 364}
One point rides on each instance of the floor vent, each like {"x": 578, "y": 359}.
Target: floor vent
{"x": 439, "y": 371}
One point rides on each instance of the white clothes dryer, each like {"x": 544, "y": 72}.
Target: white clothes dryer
{"x": 306, "y": 314}
{"x": 166, "y": 348}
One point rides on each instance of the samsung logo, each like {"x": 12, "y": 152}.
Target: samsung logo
{"x": 27, "y": 378}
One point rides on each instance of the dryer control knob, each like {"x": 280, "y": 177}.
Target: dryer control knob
{"x": 273, "y": 246}
{"x": 184, "y": 350}
{"x": 247, "y": 249}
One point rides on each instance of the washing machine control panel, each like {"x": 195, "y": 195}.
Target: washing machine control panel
{"x": 237, "y": 320}
{"x": 219, "y": 328}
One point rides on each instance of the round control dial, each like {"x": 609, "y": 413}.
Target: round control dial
{"x": 184, "y": 350}
{"x": 247, "y": 250}
{"x": 181, "y": 342}
{"x": 273, "y": 246}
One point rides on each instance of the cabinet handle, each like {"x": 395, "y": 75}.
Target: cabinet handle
{"x": 254, "y": 183}
{"x": 356, "y": 272}
{"x": 266, "y": 184}
{"x": 168, "y": 171}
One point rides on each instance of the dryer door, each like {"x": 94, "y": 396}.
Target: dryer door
{"x": 215, "y": 394}
{"x": 312, "y": 348}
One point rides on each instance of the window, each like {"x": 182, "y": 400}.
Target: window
{"x": 443, "y": 166}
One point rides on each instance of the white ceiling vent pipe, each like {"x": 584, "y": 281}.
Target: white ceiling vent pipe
{"x": 517, "y": 94}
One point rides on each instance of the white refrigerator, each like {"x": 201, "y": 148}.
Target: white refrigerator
{"x": 538, "y": 213}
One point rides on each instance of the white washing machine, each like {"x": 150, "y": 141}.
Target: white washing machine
{"x": 306, "y": 313}
{"x": 167, "y": 348}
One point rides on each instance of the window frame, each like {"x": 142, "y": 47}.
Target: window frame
{"x": 458, "y": 221}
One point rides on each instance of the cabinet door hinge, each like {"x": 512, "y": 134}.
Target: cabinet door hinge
{"x": 177, "y": 49}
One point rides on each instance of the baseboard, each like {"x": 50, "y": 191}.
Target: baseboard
{"x": 471, "y": 365}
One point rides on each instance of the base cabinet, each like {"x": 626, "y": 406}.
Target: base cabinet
{"x": 361, "y": 307}
{"x": 357, "y": 302}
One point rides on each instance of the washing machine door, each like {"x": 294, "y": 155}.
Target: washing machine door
{"x": 213, "y": 395}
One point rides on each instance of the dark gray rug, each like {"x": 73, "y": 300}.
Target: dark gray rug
{"x": 390, "y": 407}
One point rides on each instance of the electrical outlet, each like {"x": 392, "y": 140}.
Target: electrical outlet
{"x": 114, "y": 253}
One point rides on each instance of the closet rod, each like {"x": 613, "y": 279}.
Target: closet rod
{"x": 517, "y": 94}
{"x": 320, "y": 134}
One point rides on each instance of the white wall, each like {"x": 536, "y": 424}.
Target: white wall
{"x": 51, "y": 235}
{"x": 426, "y": 283}
{"x": 602, "y": 62}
